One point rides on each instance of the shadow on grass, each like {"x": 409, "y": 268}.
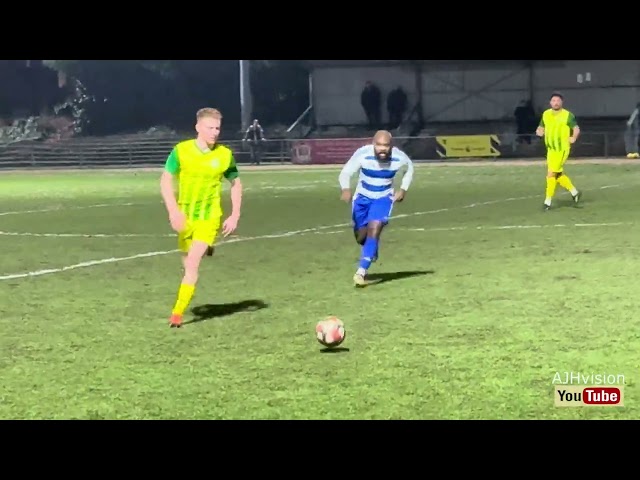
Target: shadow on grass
{"x": 335, "y": 350}
{"x": 564, "y": 202}
{"x": 378, "y": 278}
{"x": 209, "y": 311}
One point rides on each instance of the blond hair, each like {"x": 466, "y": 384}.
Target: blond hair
{"x": 208, "y": 113}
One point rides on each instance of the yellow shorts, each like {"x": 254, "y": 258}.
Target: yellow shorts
{"x": 199, "y": 230}
{"x": 556, "y": 160}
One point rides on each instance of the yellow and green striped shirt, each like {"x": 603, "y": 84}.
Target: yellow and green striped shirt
{"x": 200, "y": 175}
{"x": 558, "y": 128}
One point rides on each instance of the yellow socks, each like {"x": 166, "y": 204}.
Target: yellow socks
{"x": 551, "y": 189}
{"x": 565, "y": 182}
{"x": 185, "y": 294}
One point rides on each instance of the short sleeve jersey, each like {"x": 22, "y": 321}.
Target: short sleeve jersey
{"x": 557, "y": 128}
{"x": 200, "y": 175}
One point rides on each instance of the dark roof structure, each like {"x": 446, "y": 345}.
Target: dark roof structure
{"x": 353, "y": 63}
{"x": 312, "y": 64}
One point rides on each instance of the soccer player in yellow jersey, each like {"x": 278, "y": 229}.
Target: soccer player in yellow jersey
{"x": 200, "y": 166}
{"x": 560, "y": 130}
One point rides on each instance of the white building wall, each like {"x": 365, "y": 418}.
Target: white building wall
{"x": 336, "y": 91}
{"x": 609, "y": 88}
{"x": 613, "y": 89}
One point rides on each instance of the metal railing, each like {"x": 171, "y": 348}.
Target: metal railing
{"x": 117, "y": 152}
{"x": 135, "y": 152}
{"x": 512, "y": 146}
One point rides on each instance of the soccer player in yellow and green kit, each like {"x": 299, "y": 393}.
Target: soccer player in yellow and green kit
{"x": 560, "y": 130}
{"x": 200, "y": 166}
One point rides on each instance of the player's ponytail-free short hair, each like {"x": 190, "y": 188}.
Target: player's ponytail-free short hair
{"x": 208, "y": 113}
{"x": 556, "y": 94}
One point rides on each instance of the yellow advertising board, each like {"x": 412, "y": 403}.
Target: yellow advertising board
{"x": 461, "y": 146}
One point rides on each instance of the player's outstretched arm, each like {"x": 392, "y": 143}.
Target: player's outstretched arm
{"x": 407, "y": 178}
{"x": 231, "y": 223}
{"x": 348, "y": 170}
{"x": 575, "y": 128}
{"x": 236, "y": 197}
{"x": 166, "y": 190}
{"x": 172, "y": 167}
{"x": 576, "y": 134}
{"x": 540, "y": 129}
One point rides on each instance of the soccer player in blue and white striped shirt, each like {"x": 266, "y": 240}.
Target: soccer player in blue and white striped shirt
{"x": 374, "y": 197}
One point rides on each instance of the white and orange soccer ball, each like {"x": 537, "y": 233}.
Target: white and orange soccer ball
{"x": 330, "y": 332}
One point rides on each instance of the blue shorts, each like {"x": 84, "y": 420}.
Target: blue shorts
{"x": 365, "y": 210}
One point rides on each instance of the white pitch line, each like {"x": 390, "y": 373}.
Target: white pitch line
{"x": 68, "y": 207}
{"x": 87, "y": 235}
{"x": 150, "y": 235}
{"x": 278, "y": 235}
{"x": 448, "y": 209}
{"x": 515, "y": 227}
{"x": 305, "y": 186}
{"x": 38, "y": 273}
{"x": 91, "y": 263}
{"x": 300, "y": 186}
{"x": 486, "y": 227}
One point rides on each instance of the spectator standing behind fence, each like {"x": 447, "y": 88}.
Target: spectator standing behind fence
{"x": 632, "y": 133}
{"x": 254, "y": 137}
{"x": 371, "y": 101}
{"x": 525, "y": 121}
{"x": 396, "y": 106}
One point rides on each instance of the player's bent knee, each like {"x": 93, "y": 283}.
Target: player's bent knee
{"x": 360, "y": 235}
{"x": 196, "y": 252}
{"x": 192, "y": 263}
{"x": 374, "y": 228}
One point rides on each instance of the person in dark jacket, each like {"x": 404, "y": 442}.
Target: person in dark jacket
{"x": 525, "y": 121}
{"x": 371, "y": 101}
{"x": 254, "y": 137}
{"x": 396, "y": 107}
{"x": 632, "y": 133}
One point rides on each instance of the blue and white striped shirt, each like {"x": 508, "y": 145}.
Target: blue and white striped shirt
{"x": 376, "y": 178}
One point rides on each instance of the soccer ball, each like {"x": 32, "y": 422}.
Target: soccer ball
{"x": 330, "y": 331}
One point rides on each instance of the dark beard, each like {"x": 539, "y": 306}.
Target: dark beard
{"x": 381, "y": 160}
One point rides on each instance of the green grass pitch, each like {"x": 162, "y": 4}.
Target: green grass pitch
{"x": 483, "y": 298}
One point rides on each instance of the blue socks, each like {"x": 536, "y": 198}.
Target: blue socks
{"x": 369, "y": 251}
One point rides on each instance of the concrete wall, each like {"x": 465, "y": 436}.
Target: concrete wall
{"x": 459, "y": 92}
{"x": 336, "y": 91}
